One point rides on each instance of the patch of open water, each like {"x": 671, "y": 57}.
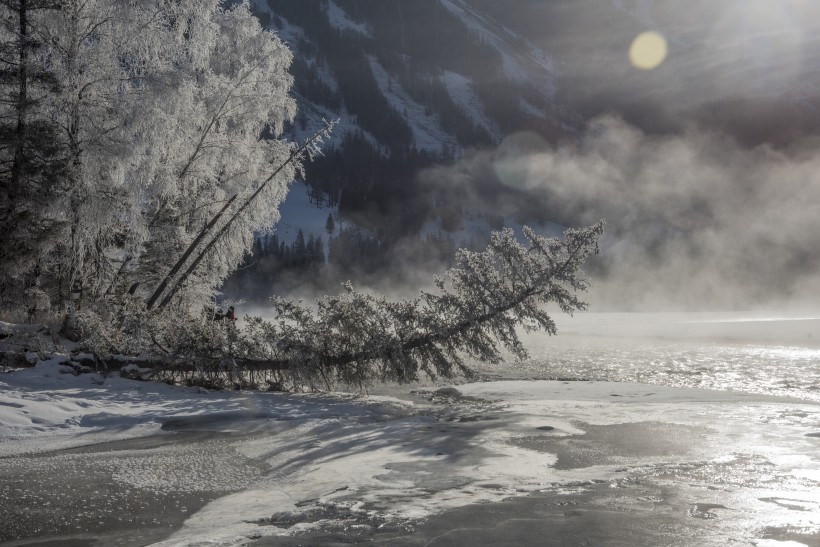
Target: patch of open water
{"x": 727, "y": 352}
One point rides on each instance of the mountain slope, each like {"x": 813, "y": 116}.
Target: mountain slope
{"x": 414, "y": 84}
{"x": 451, "y": 72}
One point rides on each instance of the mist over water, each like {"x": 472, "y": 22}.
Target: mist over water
{"x": 705, "y": 166}
{"x": 694, "y": 221}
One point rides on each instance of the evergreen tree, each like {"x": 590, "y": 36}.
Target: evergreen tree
{"x": 319, "y": 252}
{"x": 273, "y": 246}
{"x": 299, "y": 253}
{"x": 32, "y": 156}
{"x": 356, "y": 338}
{"x": 310, "y": 248}
{"x": 258, "y": 249}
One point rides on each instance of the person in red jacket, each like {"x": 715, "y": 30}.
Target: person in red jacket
{"x": 230, "y": 315}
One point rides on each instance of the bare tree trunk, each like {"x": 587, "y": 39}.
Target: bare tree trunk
{"x": 296, "y": 154}
{"x": 162, "y": 286}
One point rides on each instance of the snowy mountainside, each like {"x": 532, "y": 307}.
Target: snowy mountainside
{"x": 463, "y": 93}
{"x": 340, "y": 20}
{"x": 522, "y": 60}
{"x": 413, "y": 84}
{"x": 312, "y": 114}
{"x": 524, "y": 70}
{"x": 427, "y": 131}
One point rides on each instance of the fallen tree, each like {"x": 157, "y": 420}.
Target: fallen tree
{"x": 476, "y": 312}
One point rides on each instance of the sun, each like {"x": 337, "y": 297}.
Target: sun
{"x": 648, "y": 50}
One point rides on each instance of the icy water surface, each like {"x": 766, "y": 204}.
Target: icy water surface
{"x": 767, "y": 355}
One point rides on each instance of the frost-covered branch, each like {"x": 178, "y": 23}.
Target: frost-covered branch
{"x": 191, "y": 248}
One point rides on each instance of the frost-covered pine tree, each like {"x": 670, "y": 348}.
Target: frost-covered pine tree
{"x": 476, "y": 311}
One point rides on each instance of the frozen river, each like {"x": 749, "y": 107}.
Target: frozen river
{"x": 636, "y": 452}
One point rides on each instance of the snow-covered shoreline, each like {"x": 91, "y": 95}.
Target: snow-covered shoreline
{"x": 399, "y": 459}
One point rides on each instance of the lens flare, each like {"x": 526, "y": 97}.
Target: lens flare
{"x": 648, "y": 51}
{"x": 512, "y": 162}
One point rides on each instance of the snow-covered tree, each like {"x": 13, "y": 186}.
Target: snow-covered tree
{"x": 476, "y": 312}
{"x": 229, "y": 110}
{"x": 86, "y": 43}
{"x": 165, "y": 110}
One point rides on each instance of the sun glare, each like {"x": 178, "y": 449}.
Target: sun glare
{"x": 648, "y": 51}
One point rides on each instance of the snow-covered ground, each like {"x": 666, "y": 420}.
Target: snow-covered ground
{"x": 716, "y": 466}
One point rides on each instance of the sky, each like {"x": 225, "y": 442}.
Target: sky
{"x": 702, "y": 148}
{"x": 751, "y": 67}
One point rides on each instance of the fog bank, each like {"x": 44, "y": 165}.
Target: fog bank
{"x": 695, "y": 221}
